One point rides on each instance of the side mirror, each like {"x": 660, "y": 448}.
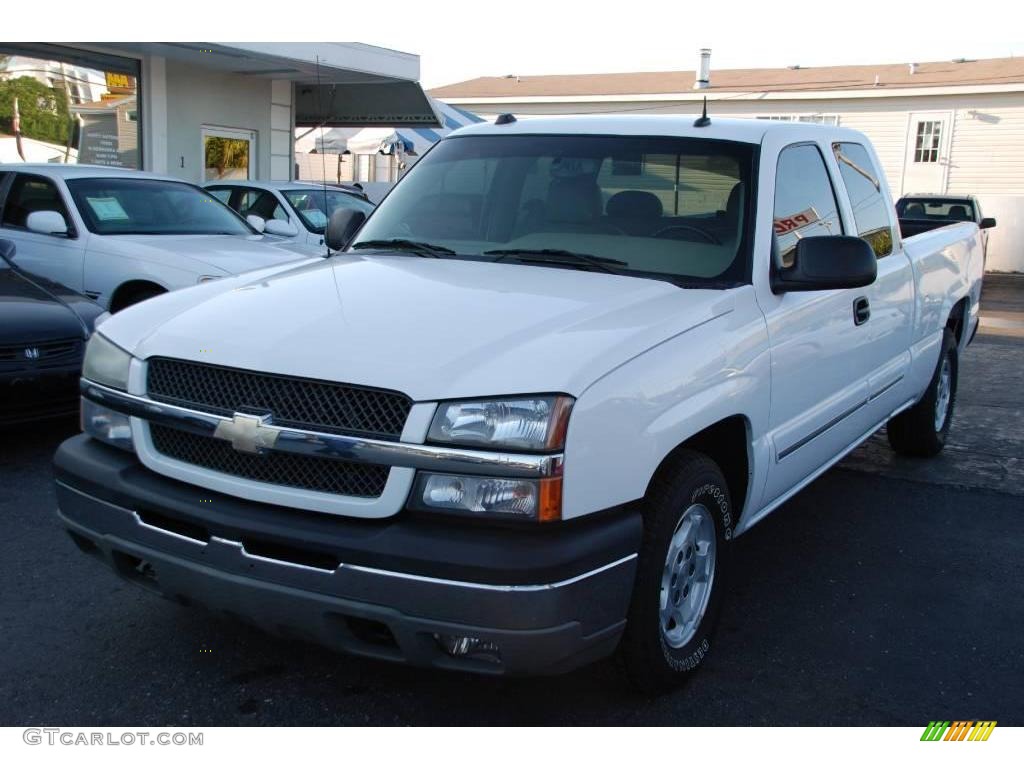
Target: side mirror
{"x": 7, "y": 251}
{"x": 256, "y": 222}
{"x": 827, "y": 263}
{"x": 987, "y": 223}
{"x": 279, "y": 227}
{"x": 46, "y": 223}
{"x": 342, "y": 227}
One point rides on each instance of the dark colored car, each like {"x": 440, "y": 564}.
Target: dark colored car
{"x": 43, "y": 329}
{"x": 920, "y": 213}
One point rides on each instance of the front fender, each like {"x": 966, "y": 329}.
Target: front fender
{"x": 625, "y": 424}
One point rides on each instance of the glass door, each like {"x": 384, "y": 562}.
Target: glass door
{"x": 228, "y": 154}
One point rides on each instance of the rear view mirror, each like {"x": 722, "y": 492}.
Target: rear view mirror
{"x": 827, "y": 263}
{"x": 46, "y": 223}
{"x": 280, "y": 227}
{"x": 256, "y": 222}
{"x": 987, "y": 223}
{"x": 342, "y": 227}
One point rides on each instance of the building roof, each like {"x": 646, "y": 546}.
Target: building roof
{"x": 938, "y": 74}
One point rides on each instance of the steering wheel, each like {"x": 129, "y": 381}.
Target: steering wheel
{"x": 666, "y": 232}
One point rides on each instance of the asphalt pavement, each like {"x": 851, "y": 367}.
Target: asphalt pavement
{"x": 889, "y": 592}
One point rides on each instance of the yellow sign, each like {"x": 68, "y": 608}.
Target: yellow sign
{"x": 118, "y": 82}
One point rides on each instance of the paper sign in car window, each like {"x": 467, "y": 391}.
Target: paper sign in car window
{"x": 316, "y": 218}
{"x": 107, "y": 209}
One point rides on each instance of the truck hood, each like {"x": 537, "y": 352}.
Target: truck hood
{"x": 205, "y": 254}
{"x": 432, "y": 328}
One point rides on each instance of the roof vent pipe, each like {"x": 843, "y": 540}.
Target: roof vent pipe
{"x": 913, "y": 68}
{"x": 703, "y": 70}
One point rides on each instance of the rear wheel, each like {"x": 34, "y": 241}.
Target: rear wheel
{"x": 680, "y": 576}
{"x": 923, "y": 429}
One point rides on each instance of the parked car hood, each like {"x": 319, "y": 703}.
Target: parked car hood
{"x": 432, "y": 328}
{"x": 210, "y": 254}
{"x": 29, "y": 313}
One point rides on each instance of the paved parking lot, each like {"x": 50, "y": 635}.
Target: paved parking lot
{"x": 887, "y": 593}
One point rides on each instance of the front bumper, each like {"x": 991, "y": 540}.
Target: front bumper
{"x": 551, "y": 597}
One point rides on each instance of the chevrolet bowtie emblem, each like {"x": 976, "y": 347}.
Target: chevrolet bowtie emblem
{"x": 248, "y": 434}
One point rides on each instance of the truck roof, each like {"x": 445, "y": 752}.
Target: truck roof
{"x": 751, "y": 131}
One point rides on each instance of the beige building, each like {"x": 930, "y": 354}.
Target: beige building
{"x": 944, "y": 127}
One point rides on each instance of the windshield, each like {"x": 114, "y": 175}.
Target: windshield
{"x": 666, "y": 208}
{"x": 127, "y": 206}
{"x": 315, "y": 206}
{"x": 958, "y": 209}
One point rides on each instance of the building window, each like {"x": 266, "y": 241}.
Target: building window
{"x": 816, "y": 118}
{"x": 73, "y": 106}
{"x": 926, "y": 146}
{"x": 228, "y": 154}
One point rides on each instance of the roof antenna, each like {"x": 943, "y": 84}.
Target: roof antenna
{"x": 703, "y": 121}
{"x": 323, "y": 148}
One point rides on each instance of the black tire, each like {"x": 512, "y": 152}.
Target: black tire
{"x": 914, "y": 432}
{"x": 651, "y": 661}
{"x": 134, "y": 296}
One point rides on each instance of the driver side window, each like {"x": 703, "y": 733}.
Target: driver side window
{"x": 29, "y": 194}
{"x": 805, "y": 201}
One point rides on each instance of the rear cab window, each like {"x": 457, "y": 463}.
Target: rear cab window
{"x": 926, "y": 208}
{"x": 871, "y": 213}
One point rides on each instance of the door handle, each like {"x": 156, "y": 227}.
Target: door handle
{"x": 861, "y": 310}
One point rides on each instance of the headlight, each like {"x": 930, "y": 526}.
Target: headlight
{"x": 106, "y": 363}
{"x": 521, "y": 423}
{"x": 492, "y": 497}
{"x": 104, "y": 424}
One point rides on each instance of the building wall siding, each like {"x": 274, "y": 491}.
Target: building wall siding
{"x": 198, "y": 97}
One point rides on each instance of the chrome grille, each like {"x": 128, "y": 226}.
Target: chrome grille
{"x": 308, "y": 472}
{"x": 311, "y": 404}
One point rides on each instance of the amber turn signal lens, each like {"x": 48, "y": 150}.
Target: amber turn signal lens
{"x": 549, "y": 505}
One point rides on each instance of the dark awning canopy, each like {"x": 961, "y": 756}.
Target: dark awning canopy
{"x": 337, "y": 105}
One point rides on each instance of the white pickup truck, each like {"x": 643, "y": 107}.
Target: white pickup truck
{"x": 516, "y": 423}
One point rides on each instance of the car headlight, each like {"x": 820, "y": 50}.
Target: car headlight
{"x": 535, "y": 423}
{"x": 537, "y": 500}
{"x": 106, "y": 363}
{"x": 104, "y": 423}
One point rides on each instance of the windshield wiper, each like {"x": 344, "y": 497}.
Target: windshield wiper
{"x": 559, "y": 256}
{"x": 413, "y": 246}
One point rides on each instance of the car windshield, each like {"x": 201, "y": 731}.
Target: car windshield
{"x": 133, "y": 206}
{"x": 958, "y": 209}
{"x": 666, "y": 208}
{"x": 315, "y": 206}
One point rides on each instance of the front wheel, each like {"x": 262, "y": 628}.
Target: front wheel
{"x": 681, "y": 572}
{"x": 922, "y": 430}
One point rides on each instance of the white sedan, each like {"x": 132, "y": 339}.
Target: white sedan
{"x": 293, "y": 210}
{"x": 122, "y": 236}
